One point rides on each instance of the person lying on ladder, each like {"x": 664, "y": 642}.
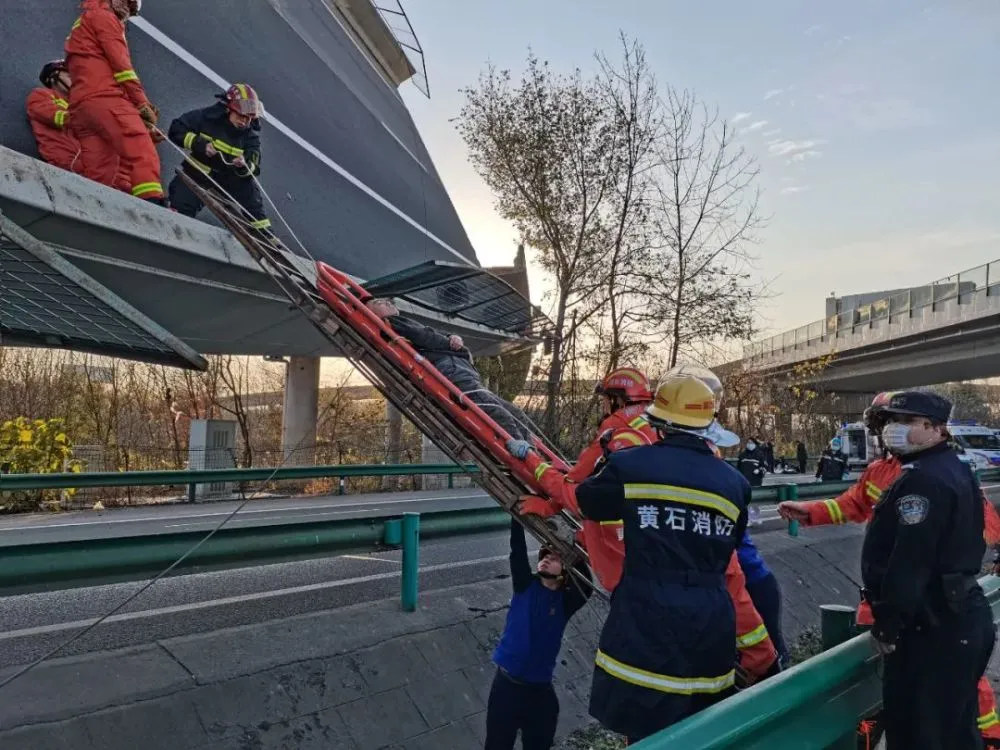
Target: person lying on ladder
{"x": 448, "y": 353}
{"x": 223, "y": 143}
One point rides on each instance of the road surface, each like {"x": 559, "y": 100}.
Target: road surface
{"x": 164, "y": 519}
{"x": 32, "y": 624}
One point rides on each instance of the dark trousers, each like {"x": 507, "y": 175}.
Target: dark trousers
{"x": 513, "y": 706}
{"x": 766, "y": 596}
{"x": 243, "y": 190}
{"x": 929, "y": 683}
{"x": 501, "y": 411}
{"x": 802, "y": 465}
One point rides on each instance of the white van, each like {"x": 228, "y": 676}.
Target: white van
{"x": 980, "y": 443}
{"x": 859, "y": 445}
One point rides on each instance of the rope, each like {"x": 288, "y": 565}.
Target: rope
{"x": 152, "y": 581}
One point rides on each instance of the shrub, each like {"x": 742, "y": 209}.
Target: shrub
{"x": 37, "y": 446}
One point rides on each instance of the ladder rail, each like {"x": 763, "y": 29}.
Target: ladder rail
{"x": 395, "y": 379}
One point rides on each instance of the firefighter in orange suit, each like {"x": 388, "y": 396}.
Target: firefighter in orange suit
{"x": 856, "y": 505}
{"x": 48, "y": 113}
{"x": 110, "y": 113}
{"x": 627, "y": 394}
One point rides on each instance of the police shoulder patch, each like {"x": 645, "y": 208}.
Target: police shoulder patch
{"x": 912, "y": 509}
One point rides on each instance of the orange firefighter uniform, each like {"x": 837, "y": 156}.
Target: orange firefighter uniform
{"x": 625, "y": 428}
{"x": 48, "y": 114}
{"x": 109, "y": 109}
{"x": 856, "y": 505}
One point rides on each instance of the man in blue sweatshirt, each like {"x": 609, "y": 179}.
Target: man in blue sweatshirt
{"x": 522, "y": 697}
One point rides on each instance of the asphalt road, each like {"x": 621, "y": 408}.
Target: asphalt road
{"x": 32, "y": 624}
{"x": 160, "y": 519}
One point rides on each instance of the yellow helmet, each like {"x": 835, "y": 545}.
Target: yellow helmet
{"x": 703, "y": 374}
{"x": 685, "y": 401}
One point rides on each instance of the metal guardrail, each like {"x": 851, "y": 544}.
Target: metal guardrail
{"x": 63, "y": 481}
{"x": 64, "y": 562}
{"x": 816, "y": 704}
{"x": 60, "y": 481}
{"x": 902, "y": 304}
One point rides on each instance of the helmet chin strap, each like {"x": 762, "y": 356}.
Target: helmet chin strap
{"x": 550, "y": 576}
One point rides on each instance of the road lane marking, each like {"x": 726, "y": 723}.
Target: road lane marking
{"x": 278, "y": 125}
{"x": 366, "y": 558}
{"x": 60, "y": 627}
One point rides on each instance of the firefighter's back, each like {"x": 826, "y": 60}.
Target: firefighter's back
{"x": 668, "y": 641}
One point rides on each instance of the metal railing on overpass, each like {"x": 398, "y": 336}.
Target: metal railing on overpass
{"x": 961, "y": 286}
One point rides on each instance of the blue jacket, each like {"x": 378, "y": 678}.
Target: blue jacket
{"x": 533, "y": 634}
{"x": 753, "y": 565}
{"x": 668, "y": 642}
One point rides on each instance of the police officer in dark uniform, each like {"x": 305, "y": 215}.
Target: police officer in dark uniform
{"x": 922, "y": 551}
{"x": 667, "y": 647}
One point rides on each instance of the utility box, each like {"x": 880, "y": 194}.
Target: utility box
{"x": 212, "y": 445}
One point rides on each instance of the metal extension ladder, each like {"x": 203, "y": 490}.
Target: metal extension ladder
{"x": 420, "y": 408}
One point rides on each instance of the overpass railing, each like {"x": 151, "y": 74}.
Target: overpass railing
{"x": 961, "y": 286}
{"x": 816, "y": 704}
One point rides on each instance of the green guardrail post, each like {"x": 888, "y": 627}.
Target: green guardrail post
{"x": 392, "y": 532}
{"x": 340, "y": 485}
{"x": 411, "y": 560}
{"x": 192, "y": 492}
{"x": 836, "y": 624}
{"x": 451, "y": 481}
{"x": 792, "y": 493}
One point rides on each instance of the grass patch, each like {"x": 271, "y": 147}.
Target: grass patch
{"x": 593, "y": 737}
{"x": 806, "y": 646}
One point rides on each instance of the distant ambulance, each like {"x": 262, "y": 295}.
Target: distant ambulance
{"x": 980, "y": 443}
{"x": 977, "y": 445}
{"x": 859, "y": 445}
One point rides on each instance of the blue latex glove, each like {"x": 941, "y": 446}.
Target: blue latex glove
{"x": 519, "y": 448}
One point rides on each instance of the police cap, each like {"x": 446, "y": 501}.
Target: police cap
{"x": 920, "y": 404}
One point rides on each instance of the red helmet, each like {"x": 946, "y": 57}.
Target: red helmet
{"x": 243, "y": 100}
{"x": 628, "y": 384}
{"x": 875, "y": 415}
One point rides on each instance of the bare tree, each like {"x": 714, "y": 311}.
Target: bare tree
{"x": 548, "y": 149}
{"x": 698, "y": 280}
{"x": 628, "y": 89}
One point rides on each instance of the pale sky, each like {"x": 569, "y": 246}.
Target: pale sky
{"x": 875, "y": 123}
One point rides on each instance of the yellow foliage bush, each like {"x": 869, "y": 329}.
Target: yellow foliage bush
{"x": 39, "y": 446}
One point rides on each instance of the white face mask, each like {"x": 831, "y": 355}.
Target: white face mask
{"x": 896, "y": 438}
{"x": 751, "y": 446}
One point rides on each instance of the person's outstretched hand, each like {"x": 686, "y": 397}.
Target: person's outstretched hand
{"x": 792, "y": 510}
{"x": 519, "y": 448}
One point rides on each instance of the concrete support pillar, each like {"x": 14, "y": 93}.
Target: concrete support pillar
{"x": 431, "y": 454}
{"x": 301, "y": 410}
{"x": 393, "y": 443}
